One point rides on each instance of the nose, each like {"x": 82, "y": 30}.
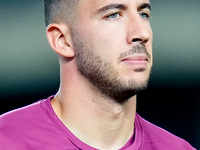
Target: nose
{"x": 139, "y": 30}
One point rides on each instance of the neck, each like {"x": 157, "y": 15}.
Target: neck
{"x": 87, "y": 114}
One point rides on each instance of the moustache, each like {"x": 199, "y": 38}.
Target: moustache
{"x": 137, "y": 49}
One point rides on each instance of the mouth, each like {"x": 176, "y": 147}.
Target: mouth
{"x": 136, "y": 61}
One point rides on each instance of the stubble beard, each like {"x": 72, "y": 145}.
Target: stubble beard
{"x": 104, "y": 79}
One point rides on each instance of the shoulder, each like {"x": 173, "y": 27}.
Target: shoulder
{"x": 20, "y": 120}
{"x": 17, "y": 125}
{"x": 18, "y": 114}
{"x": 26, "y": 115}
{"x": 159, "y": 138}
{"x": 31, "y": 127}
{"x": 21, "y": 114}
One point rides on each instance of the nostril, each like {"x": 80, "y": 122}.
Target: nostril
{"x": 136, "y": 40}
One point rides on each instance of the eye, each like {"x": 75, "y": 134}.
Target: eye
{"x": 113, "y": 15}
{"x": 144, "y": 15}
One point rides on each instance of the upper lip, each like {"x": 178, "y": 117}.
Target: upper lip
{"x": 137, "y": 57}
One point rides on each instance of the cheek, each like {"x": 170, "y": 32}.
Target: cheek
{"x": 149, "y": 48}
{"x": 149, "y": 44}
{"x": 106, "y": 43}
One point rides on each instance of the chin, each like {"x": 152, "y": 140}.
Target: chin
{"x": 139, "y": 78}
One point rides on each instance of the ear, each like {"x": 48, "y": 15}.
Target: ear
{"x": 59, "y": 38}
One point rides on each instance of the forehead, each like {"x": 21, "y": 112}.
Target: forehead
{"x": 96, "y": 4}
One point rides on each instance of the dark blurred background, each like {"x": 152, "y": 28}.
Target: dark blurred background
{"x": 29, "y": 69}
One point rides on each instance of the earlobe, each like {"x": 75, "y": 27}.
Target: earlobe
{"x": 59, "y": 38}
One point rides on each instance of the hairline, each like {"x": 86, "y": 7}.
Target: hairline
{"x": 62, "y": 11}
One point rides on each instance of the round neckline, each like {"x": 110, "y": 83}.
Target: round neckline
{"x": 134, "y": 142}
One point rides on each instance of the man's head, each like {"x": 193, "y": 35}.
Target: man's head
{"x": 110, "y": 42}
{"x": 59, "y": 10}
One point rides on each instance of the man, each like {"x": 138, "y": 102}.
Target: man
{"x": 105, "y": 55}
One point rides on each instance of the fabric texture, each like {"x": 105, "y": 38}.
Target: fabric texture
{"x": 36, "y": 127}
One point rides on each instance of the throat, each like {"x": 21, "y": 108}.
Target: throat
{"x": 111, "y": 121}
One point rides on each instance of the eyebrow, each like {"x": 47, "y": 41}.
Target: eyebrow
{"x": 144, "y": 6}
{"x": 111, "y": 6}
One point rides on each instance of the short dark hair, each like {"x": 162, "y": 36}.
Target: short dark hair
{"x": 59, "y": 10}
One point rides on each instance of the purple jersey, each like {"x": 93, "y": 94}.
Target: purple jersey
{"x": 36, "y": 127}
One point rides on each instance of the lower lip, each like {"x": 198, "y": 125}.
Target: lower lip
{"x": 136, "y": 63}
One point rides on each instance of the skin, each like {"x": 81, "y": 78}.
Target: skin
{"x": 82, "y": 106}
